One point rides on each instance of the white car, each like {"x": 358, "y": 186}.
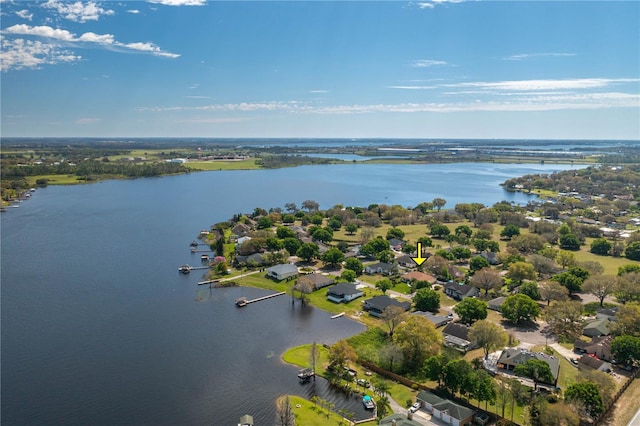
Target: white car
{"x": 415, "y": 407}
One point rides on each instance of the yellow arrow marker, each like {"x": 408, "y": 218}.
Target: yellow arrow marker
{"x": 419, "y": 260}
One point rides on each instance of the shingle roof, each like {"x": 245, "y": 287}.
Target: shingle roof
{"x": 456, "y": 411}
{"x": 429, "y": 397}
{"x": 381, "y": 302}
{"x": 282, "y": 268}
{"x": 343, "y": 289}
{"x": 457, "y": 330}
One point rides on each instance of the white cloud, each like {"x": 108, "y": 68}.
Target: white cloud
{"x": 198, "y": 97}
{"x": 425, "y": 63}
{"x": 88, "y": 38}
{"x": 20, "y": 54}
{"x": 78, "y": 11}
{"x": 179, "y": 2}
{"x": 529, "y": 85}
{"x": 433, "y": 3}
{"x": 87, "y": 120}
{"x": 134, "y": 11}
{"x": 212, "y": 120}
{"x": 194, "y": 86}
{"x": 522, "y": 56}
{"x": 24, "y": 14}
{"x": 318, "y": 91}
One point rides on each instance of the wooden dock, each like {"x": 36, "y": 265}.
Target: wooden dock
{"x": 244, "y": 302}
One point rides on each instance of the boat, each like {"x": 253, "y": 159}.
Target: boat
{"x": 306, "y": 373}
{"x": 337, "y": 315}
{"x": 241, "y": 301}
{"x": 368, "y": 402}
{"x": 185, "y": 269}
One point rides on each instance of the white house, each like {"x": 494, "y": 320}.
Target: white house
{"x": 343, "y": 292}
{"x": 283, "y": 271}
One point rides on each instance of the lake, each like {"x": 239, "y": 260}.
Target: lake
{"x": 98, "y": 327}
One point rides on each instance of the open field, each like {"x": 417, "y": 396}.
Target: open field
{"x": 249, "y": 164}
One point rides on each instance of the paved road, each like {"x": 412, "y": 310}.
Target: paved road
{"x": 635, "y": 421}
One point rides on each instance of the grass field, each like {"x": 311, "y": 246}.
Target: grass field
{"x": 56, "y": 179}
{"x": 249, "y": 164}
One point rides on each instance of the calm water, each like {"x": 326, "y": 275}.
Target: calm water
{"x": 99, "y": 328}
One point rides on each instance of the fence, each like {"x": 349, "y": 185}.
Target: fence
{"x": 609, "y": 407}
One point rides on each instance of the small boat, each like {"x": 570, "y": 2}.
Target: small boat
{"x": 185, "y": 269}
{"x": 241, "y": 301}
{"x": 368, "y": 402}
{"x": 337, "y": 315}
{"x": 306, "y": 373}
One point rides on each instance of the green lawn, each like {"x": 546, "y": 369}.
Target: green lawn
{"x": 249, "y": 164}
{"x": 309, "y": 414}
{"x": 301, "y": 356}
{"x": 56, "y": 179}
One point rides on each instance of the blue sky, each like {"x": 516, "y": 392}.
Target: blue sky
{"x": 431, "y": 69}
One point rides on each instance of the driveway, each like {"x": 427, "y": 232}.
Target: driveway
{"x": 530, "y": 335}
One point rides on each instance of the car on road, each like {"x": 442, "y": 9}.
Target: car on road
{"x": 415, "y": 407}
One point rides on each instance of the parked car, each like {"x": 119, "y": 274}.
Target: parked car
{"x": 363, "y": 382}
{"x": 415, "y": 407}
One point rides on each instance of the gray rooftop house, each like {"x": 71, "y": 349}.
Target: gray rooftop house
{"x": 589, "y": 362}
{"x": 496, "y": 304}
{"x": 599, "y": 327}
{"x": 512, "y": 357}
{"x": 437, "y": 320}
{"x": 379, "y": 268}
{"x": 343, "y": 292}
{"x": 398, "y": 419}
{"x": 282, "y": 271}
{"x": 460, "y": 291}
{"x": 319, "y": 280}
{"x": 377, "y": 304}
{"x": 607, "y": 313}
{"x": 444, "y": 410}
{"x": 457, "y": 336}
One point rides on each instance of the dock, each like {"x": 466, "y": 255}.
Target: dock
{"x": 243, "y": 301}
{"x": 337, "y": 315}
{"x": 185, "y": 269}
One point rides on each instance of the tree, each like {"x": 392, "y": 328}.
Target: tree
{"x": 630, "y": 267}
{"x": 587, "y": 395}
{"x": 527, "y": 243}
{"x": 552, "y": 290}
{"x": 348, "y": 275}
{"x": 626, "y": 350}
{"x": 322, "y": 235}
{"x": 519, "y": 271}
{"x": 291, "y": 207}
{"x": 419, "y": 339}
{"x": 426, "y": 299}
{"x": 308, "y": 251}
{"x": 284, "y": 412}
{"x": 510, "y": 231}
{"x": 477, "y": 263}
{"x": 463, "y": 230}
{"x": 536, "y": 369}
{"x": 291, "y": 245}
{"x": 351, "y": 228}
{"x": 304, "y": 286}
{"x": 439, "y": 230}
{"x": 340, "y": 354}
{"x": 436, "y": 264}
{"x": 569, "y": 242}
{"x": 455, "y": 372}
{"x": 314, "y": 356}
{"x": 569, "y": 281}
{"x": 600, "y": 246}
{"x": 386, "y": 256}
{"x": 471, "y": 309}
{"x": 557, "y": 414}
{"x": 384, "y": 284}
{"x": 310, "y": 205}
{"x": 632, "y": 252}
{"x": 488, "y": 336}
{"x": 332, "y": 257}
{"x": 395, "y": 233}
{"x": 486, "y": 279}
{"x": 530, "y": 289}
{"x": 461, "y": 253}
{"x": 283, "y": 232}
{"x": 354, "y": 264}
{"x": 628, "y": 320}
{"x": 392, "y": 316}
{"x": 565, "y": 258}
{"x": 439, "y": 203}
{"x": 628, "y": 287}
{"x": 433, "y": 368}
{"x": 520, "y": 308}
{"x": 600, "y": 286}
{"x": 264, "y": 222}
{"x": 565, "y": 320}
{"x": 392, "y": 356}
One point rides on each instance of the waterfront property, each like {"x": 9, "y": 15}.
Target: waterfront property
{"x": 282, "y": 271}
{"x": 376, "y": 305}
{"x": 344, "y": 292}
{"x": 445, "y": 410}
{"x": 319, "y": 280}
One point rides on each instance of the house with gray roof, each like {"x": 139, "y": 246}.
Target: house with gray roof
{"x": 255, "y": 258}
{"x": 282, "y": 271}
{"x": 445, "y": 410}
{"x": 319, "y": 280}
{"x": 512, "y": 357}
{"x": 607, "y": 313}
{"x": 600, "y": 347}
{"x": 588, "y": 362}
{"x": 460, "y": 291}
{"x": 496, "y": 304}
{"x": 343, "y": 292}
{"x": 456, "y": 335}
{"x": 379, "y": 268}
{"x": 398, "y": 419}
{"x": 396, "y": 244}
{"x": 599, "y": 327}
{"x": 377, "y": 304}
{"x": 437, "y": 320}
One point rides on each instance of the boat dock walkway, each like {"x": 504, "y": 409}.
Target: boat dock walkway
{"x": 243, "y": 302}
{"x": 219, "y": 280}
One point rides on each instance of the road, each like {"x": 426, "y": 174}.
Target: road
{"x": 635, "y": 421}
